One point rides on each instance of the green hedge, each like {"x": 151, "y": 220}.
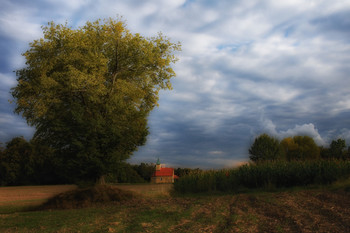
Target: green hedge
{"x": 269, "y": 174}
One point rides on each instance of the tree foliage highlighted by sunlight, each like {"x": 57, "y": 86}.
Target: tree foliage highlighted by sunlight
{"x": 300, "y": 148}
{"x": 89, "y": 91}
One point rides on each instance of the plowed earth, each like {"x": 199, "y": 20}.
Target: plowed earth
{"x": 301, "y": 211}
{"x": 313, "y": 210}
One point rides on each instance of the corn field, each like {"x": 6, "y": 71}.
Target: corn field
{"x": 278, "y": 174}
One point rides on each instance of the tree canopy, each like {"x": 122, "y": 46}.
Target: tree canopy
{"x": 300, "y": 148}
{"x": 265, "y": 148}
{"x": 337, "y": 148}
{"x": 89, "y": 91}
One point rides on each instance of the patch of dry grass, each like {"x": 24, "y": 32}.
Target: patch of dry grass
{"x": 87, "y": 197}
{"x": 30, "y": 193}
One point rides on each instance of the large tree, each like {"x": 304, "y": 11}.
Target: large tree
{"x": 337, "y": 149}
{"x": 89, "y": 91}
{"x": 265, "y": 148}
{"x": 300, "y": 148}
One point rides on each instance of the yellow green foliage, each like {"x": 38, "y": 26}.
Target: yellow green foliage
{"x": 300, "y": 148}
{"x": 88, "y": 91}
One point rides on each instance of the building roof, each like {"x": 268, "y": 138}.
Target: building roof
{"x": 164, "y": 171}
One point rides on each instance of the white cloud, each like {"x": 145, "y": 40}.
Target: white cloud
{"x": 18, "y": 23}
{"x": 268, "y": 91}
{"x": 69, "y": 5}
{"x": 299, "y": 130}
{"x": 268, "y": 126}
{"x": 6, "y": 119}
{"x": 13, "y": 127}
{"x": 223, "y": 162}
{"x": 343, "y": 134}
{"x": 305, "y": 129}
{"x": 200, "y": 44}
{"x": 187, "y": 97}
{"x": 7, "y": 81}
{"x": 216, "y": 152}
{"x": 342, "y": 105}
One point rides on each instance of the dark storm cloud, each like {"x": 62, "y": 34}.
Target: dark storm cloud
{"x": 334, "y": 25}
{"x": 246, "y": 67}
{"x": 6, "y": 47}
{"x": 204, "y": 146}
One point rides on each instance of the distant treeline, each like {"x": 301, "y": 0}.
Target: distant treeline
{"x": 132, "y": 173}
{"x": 32, "y": 163}
{"x": 25, "y": 162}
{"x": 268, "y": 148}
{"x": 28, "y": 163}
{"x": 293, "y": 161}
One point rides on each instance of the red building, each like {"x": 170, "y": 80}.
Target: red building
{"x": 163, "y": 174}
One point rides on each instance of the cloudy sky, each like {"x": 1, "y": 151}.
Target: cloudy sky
{"x": 246, "y": 68}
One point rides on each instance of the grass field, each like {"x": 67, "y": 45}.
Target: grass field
{"x": 148, "y": 190}
{"x": 320, "y": 209}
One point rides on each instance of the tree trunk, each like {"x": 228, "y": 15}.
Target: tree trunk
{"x": 101, "y": 180}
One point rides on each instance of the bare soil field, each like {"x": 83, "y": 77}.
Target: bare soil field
{"x": 31, "y": 193}
{"x": 323, "y": 209}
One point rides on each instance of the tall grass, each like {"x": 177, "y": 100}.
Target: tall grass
{"x": 270, "y": 174}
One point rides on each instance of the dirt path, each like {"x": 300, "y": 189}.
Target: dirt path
{"x": 30, "y": 193}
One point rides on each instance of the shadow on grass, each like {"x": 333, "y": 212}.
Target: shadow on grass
{"x": 87, "y": 197}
